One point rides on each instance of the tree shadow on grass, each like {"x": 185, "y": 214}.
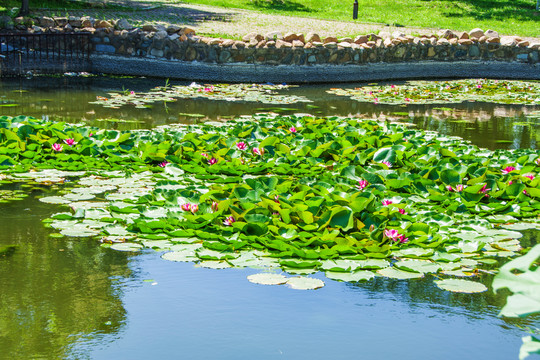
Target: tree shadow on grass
{"x": 502, "y": 10}
{"x": 282, "y": 5}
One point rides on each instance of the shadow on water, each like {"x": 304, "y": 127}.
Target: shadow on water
{"x": 487, "y": 125}
{"x": 54, "y": 291}
{"x": 70, "y": 298}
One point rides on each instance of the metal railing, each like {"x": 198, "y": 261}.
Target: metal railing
{"x": 22, "y": 54}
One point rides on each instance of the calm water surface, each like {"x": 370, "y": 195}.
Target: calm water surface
{"x": 71, "y": 299}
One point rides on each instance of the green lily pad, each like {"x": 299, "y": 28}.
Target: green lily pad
{"x": 304, "y": 283}
{"x": 267, "y": 279}
{"x": 393, "y": 273}
{"x": 181, "y": 256}
{"x": 461, "y": 286}
{"x": 350, "y": 276}
{"x": 126, "y": 246}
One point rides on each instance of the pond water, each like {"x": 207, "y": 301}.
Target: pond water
{"x": 71, "y": 299}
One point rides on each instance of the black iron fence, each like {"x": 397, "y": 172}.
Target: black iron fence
{"x": 22, "y": 54}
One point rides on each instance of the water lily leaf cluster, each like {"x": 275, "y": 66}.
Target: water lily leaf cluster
{"x": 444, "y": 92}
{"x": 7, "y": 196}
{"x": 261, "y": 93}
{"x": 353, "y": 198}
{"x": 522, "y": 277}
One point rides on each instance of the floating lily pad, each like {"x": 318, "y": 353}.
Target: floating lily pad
{"x": 267, "y": 279}
{"x": 394, "y": 273}
{"x": 212, "y": 264}
{"x": 55, "y": 200}
{"x": 418, "y": 266}
{"x": 304, "y": 283}
{"x": 182, "y": 256}
{"x": 350, "y": 276}
{"x": 461, "y": 286}
{"x": 126, "y": 246}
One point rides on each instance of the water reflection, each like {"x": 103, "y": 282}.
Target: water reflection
{"x": 487, "y": 125}
{"x": 71, "y": 298}
{"x": 52, "y": 291}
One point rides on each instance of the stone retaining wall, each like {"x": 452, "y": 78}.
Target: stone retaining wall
{"x": 182, "y": 44}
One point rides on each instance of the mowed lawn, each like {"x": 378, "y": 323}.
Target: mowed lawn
{"x": 518, "y": 17}
{"x": 506, "y": 16}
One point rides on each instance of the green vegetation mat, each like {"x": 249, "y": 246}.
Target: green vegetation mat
{"x": 446, "y": 92}
{"x": 348, "y": 197}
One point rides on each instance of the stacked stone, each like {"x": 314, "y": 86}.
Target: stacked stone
{"x": 274, "y": 48}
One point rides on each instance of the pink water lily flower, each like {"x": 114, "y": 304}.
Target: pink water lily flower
{"x": 215, "y": 206}
{"x": 212, "y": 161}
{"x": 394, "y": 235}
{"x": 57, "y": 147}
{"x": 258, "y": 151}
{"x": 241, "y": 145}
{"x": 194, "y": 208}
{"x": 292, "y": 129}
{"x": 276, "y": 199}
{"x": 484, "y": 189}
{"x": 229, "y": 221}
{"x": 402, "y": 211}
{"x": 204, "y": 155}
{"x": 508, "y": 169}
{"x": 387, "y": 202}
{"x": 529, "y": 176}
{"x": 449, "y": 188}
{"x": 70, "y": 142}
{"x": 362, "y": 184}
{"x": 163, "y": 164}
{"x": 459, "y": 187}
{"x": 186, "y": 207}
{"x": 387, "y": 163}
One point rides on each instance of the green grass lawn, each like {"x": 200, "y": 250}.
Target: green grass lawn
{"x": 517, "y": 17}
{"x": 506, "y": 16}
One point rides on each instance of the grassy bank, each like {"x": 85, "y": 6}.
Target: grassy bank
{"x": 516, "y": 17}
{"x": 507, "y": 17}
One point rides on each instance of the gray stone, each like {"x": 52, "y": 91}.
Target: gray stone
{"x": 46, "y": 22}
{"x": 224, "y": 56}
{"x": 253, "y": 35}
{"x": 156, "y": 52}
{"x": 476, "y": 33}
{"x": 273, "y": 35}
{"x": 75, "y": 21}
{"x": 61, "y": 21}
{"x": 447, "y": 34}
{"x": 123, "y": 24}
{"x": 522, "y": 57}
{"x": 174, "y": 37}
{"x": 312, "y": 37}
{"x": 474, "y": 51}
{"x": 492, "y": 34}
{"x": 105, "y": 48}
{"x": 160, "y": 35}
{"x": 397, "y": 34}
{"x": 508, "y": 41}
{"x": 171, "y": 29}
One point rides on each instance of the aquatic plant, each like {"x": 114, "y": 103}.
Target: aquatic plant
{"x": 444, "y": 92}
{"x": 299, "y": 207}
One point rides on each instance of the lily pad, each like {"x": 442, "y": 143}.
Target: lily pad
{"x": 267, "y": 279}
{"x": 393, "y": 273}
{"x": 304, "y": 283}
{"x": 461, "y": 286}
{"x": 181, "y": 256}
{"x": 350, "y": 276}
{"x": 126, "y": 246}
